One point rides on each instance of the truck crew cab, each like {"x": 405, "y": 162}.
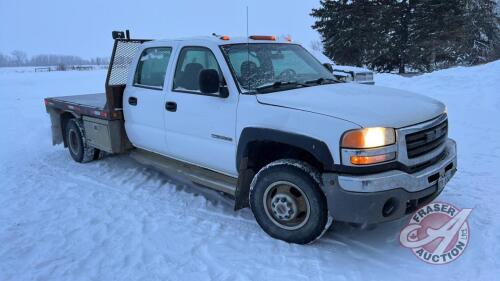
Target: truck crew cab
{"x": 262, "y": 120}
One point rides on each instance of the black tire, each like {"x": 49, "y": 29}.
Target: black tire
{"x": 77, "y": 147}
{"x": 272, "y": 183}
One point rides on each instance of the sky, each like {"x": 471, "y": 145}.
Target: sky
{"x": 83, "y": 28}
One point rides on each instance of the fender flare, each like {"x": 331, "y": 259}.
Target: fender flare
{"x": 318, "y": 149}
{"x": 315, "y": 147}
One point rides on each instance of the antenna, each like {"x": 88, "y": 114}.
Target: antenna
{"x": 248, "y": 55}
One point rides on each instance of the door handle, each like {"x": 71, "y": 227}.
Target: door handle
{"x": 132, "y": 101}
{"x": 171, "y": 106}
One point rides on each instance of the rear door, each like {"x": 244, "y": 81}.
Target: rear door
{"x": 144, "y": 97}
{"x": 200, "y": 127}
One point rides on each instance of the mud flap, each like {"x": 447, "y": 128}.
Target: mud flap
{"x": 57, "y": 131}
{"x": 243, "y": 188}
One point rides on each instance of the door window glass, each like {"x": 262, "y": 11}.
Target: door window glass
{"x": 192, "y": 60}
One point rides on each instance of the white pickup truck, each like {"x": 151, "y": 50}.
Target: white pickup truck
{"x": 345, "y": 73}
{"x": 265, "y": 122}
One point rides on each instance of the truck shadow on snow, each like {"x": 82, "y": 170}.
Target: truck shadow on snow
{"x": 371, "y": 238}
{"x": 125, "y": 175}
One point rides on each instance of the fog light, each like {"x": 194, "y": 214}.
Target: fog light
{"x": 390, "y": 207}
{"x": 368, "y": 160}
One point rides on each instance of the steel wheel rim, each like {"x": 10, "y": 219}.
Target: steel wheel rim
{"x": 73, "y": 143}
{"x": 286, "y": 205}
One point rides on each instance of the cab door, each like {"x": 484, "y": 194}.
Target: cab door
{"x": 143, "y": 100}
{"x": 200, "y": 127}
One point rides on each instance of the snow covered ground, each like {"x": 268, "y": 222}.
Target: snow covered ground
{"x": 116, "y": 220}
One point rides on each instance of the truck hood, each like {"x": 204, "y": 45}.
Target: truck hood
{"x": 367, "y": 106}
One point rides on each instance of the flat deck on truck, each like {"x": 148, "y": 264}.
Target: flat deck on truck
{"x": 101, "y": 114}
{"x": 89, "y": 105}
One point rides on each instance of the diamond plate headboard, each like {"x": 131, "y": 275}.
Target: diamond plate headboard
{"x": 123, "y": 53}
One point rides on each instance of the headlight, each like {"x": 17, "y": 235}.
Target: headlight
{"x": 369, "y": 138}
{"x": 368, "y": 146}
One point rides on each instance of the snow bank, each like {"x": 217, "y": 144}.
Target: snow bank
{"x": 116, "y": 220}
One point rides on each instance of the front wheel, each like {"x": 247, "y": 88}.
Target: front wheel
{"x": 288, "y": 203}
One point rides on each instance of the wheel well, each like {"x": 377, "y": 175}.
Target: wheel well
{"x": 261, "y": 153}
{"x": 258, "y": 154}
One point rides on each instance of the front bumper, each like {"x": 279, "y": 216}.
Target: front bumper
{"x": 366, "y": 82}
{"x": 388, "y": 195}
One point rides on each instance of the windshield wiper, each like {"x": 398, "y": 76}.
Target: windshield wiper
{"x": 280, "y": 84}
{"x": 321, "y": 81}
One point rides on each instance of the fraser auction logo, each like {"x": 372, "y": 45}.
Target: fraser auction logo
{"x": 437, "y": 233}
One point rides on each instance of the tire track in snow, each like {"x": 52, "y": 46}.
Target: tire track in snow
{"x": 138, "y": 186}
{"x": 91, "y": 183}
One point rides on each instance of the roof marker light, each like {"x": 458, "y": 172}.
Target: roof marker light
{"x": 222, "y": 37}
{"x": 263, "y": 37}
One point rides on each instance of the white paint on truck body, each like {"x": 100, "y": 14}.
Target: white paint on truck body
{"x": 323, "y": 112}
{"x": 368, "y": 106}
{"x": 318, "y": 126}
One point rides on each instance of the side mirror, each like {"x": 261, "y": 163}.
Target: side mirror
{"x": 328, "y": 66}
{"x": 209, "y": 81}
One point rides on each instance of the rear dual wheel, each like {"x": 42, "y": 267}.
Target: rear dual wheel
{"x": 78, "y": 148}
{"x": 288, "y": 203}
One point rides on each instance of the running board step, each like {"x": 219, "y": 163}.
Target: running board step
{"x": 191, "y": 172}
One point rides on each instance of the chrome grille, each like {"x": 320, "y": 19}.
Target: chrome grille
{"x": 363, "y": 77}
{"x": 424, "y": 141}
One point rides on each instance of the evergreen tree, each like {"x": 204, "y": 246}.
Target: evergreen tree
{"x": 484, "y": 32}
{"x": 361, "y": 32}
{"x": 389, "y": 35}
{"x": 340, "y": 42}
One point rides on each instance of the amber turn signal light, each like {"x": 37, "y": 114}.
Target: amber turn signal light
{"x": 263, "y": 37}
{"x": 368, "y": 160}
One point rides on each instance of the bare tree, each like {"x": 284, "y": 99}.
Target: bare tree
{"x": 20, "y": 57}
{"x": 3, "y": 60}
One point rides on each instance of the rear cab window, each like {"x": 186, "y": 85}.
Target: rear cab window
{"x": 152, "y": 67}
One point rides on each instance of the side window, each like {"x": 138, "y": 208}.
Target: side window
{"x": 192, "y": 60}
{"x": 152, "y": 66}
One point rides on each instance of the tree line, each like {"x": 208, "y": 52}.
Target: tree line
{"x": 409, "y": 35}
{"x": 20, "y": 58}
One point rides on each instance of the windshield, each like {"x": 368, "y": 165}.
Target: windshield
{"x": 274, "y": 67}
